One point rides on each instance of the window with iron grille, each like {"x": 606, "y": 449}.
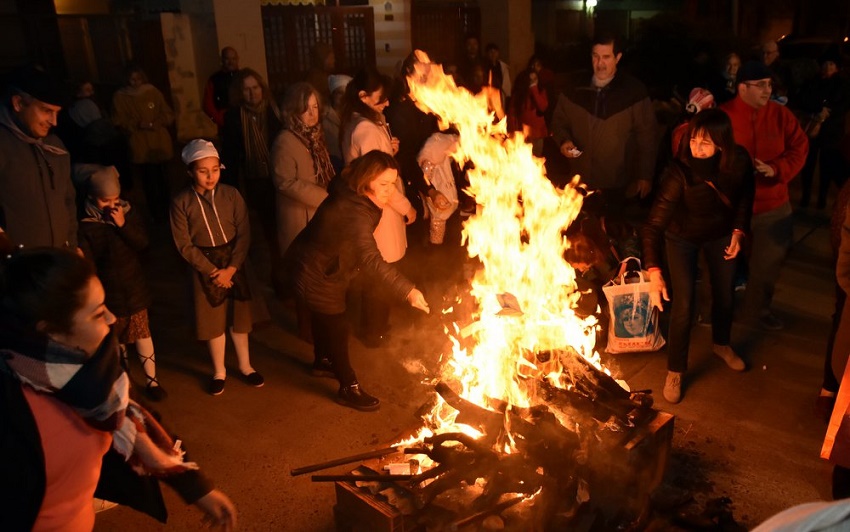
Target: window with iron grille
{"x": 290, "y": 33}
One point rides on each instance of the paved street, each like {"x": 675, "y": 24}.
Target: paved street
{"x": 750, "y": 436}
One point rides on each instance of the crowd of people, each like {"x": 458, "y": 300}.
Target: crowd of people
{"x": 344, "y": 172}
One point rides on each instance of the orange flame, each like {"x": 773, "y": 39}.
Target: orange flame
{"x": 525, "y": 290}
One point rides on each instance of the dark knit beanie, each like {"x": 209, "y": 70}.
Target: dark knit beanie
{"x": 753, "y": 71}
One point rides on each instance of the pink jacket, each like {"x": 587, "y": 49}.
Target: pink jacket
{"x": 362, "y": 136}
{"x": 772, "y": 135}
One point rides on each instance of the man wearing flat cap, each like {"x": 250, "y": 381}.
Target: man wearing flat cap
{"x": 773, "y": 137}
{"x": 37, "y": 205}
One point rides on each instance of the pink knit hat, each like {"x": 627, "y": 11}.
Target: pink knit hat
{"x": 698, "y": 100}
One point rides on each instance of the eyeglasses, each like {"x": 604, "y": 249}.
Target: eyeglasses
{"x": 762, "y": 85}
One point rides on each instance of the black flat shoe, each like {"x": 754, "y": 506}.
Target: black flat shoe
{"x": 323, "y": 368}
{"x": 354, "y": 397}
{"x": 155, "y": 392}
{"x": 254, "y": 379}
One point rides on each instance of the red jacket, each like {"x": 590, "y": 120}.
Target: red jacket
{"x": 772, "y": 135}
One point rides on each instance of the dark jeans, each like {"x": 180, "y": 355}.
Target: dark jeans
{"x": 772, "y": 233}
{"x": 330, "y": 340}
{"x": 682, "y": 260}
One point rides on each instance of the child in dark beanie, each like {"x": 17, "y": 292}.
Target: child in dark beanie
{"x": 111, "y": 235}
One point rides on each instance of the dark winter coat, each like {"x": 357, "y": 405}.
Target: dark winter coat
{"x": 114, "y": 252}
{"x": 37, "y": 197}
{"x": 686, "y": 206}
{"x": 337, "y": 242}
{"x": 615, "y": 129}
{"x": 233, "y": 145}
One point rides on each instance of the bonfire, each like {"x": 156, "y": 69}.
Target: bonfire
{"x": 526, "y": 419}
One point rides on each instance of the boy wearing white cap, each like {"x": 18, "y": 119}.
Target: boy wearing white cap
{"x": 209, "y": 223}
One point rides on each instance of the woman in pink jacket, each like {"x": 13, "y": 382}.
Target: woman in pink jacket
{"x": 364, "y": 129}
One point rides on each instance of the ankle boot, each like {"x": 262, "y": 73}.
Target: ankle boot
{"x": 353, "y": 396}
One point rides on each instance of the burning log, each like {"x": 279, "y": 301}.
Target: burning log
{"x": 463, "y": 459}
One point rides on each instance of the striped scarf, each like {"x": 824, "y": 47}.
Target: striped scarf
{"x": 314, "y": 139}
{"x": 255, "y": 138}
{"x": 96, "y": 388}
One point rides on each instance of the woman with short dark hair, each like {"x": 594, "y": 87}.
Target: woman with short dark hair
{"x": 336, "y": 244}
{"x": 68, "y": 425}
{"x": 704, "y": 202}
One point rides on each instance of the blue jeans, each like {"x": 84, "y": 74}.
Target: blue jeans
{"x": 772, "y": 233}
{"x": 682, "y": 260}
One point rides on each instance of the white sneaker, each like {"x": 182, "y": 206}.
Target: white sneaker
{"x": 673, "y": 387}
{"x": 728, "y": 355}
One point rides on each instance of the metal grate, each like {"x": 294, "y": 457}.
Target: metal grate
{"x": 291, "y": 32}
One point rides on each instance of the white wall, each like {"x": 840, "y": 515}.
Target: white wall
{"x": 183, "y": 76}
{"x": 239, "y": 24}
{"x": 393, "y": 34}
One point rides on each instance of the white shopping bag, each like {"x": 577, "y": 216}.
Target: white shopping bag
{"x": 634, "y": 322}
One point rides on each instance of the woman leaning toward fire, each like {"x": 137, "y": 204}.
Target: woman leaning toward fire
{"x": 704, "y": 203}
{"x": 68, "y": 426}
{"x": 337, "y": 243}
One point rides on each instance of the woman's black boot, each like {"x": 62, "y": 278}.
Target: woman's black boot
{"x": 353, "y": 396}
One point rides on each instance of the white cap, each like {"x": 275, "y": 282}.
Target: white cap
{"x": 198, "y": 149}
{"x": 338, "y": 81}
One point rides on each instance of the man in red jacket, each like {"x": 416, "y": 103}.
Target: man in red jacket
{"x": 217, "y": 89}
{"x": 773, "y": 137}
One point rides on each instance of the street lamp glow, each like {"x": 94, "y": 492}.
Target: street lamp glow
{"x": 591, "y": 3}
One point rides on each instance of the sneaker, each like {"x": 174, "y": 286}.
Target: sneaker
{"x": 254, "y": 379}
{"x": 770, "y": 322}
{"x": 728, "y": 355}
{"x": 673, "y": 387}
{"x": 216, "y": 386}
{"x": 323, "y": 368}
{"x": 353, "y": 396}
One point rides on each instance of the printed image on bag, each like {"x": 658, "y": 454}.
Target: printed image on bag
{"x": 634, "y": 321}
{"x": 631, "y": 316}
